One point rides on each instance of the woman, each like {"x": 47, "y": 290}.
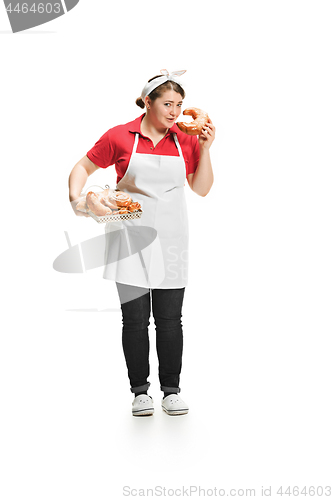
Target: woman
{"x": 152, "y": 158}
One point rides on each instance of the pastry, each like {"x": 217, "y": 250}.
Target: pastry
{"x": 133, "y": 207}
{"x": 121, "y": 198}
{"x": 195, "y": 127}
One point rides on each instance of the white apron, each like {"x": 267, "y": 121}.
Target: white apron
{"x": 157, "y": 183}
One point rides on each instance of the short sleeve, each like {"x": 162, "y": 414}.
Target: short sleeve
{"x": 103, "y": 153}
{"x": 193, "y": 155}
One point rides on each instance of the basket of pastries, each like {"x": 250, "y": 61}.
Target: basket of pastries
{"x": 109, "y": 205}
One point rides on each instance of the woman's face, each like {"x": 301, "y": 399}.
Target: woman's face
{"x": 165, "y": 110}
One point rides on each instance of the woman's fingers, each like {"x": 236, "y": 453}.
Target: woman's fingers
{"x": 209, "y": 130}
{"x": 209, "y": 127}
{"x": 78, "y": 212}
{"x": 207, "y": 135}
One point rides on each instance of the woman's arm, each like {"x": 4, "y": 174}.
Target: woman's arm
{"x": 77, "y": 180}
{"x": 202, "y": 180}
{"x": 79, "y": 175}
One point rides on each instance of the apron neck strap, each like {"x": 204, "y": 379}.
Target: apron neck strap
{"x": 178, "y": 145}
{"x": 135, "y": 145}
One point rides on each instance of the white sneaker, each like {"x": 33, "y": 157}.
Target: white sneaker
{"x": 174, "y": 405}
{"x": 142, "y": 406}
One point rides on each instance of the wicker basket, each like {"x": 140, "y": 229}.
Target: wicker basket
{"x": 114, "y": 218}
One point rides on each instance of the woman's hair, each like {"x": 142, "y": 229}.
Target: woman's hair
{"x": 159, "y": 91}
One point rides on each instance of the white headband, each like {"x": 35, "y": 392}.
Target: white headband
{"x": 165, "y": 76}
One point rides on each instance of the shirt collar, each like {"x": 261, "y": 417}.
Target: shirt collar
{"x": 134, "y": 126}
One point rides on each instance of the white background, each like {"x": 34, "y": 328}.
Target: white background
{"x": 257, "y": 367}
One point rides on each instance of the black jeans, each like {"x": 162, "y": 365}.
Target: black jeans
{"x": 136, "y": 307}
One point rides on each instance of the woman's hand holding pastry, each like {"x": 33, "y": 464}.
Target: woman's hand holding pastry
{"x": 207, "y": 135}
{"x": 78, "y": 205}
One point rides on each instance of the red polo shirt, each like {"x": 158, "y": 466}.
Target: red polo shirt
{"x": 116, "y": 145}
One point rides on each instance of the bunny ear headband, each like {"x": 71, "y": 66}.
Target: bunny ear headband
{"x": 165, "y": 76}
